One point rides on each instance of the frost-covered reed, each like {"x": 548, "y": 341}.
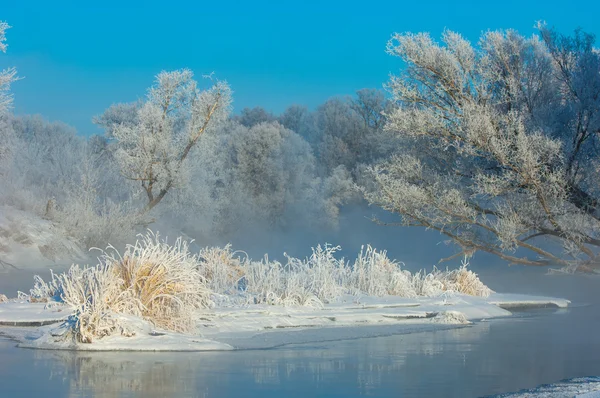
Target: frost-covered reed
{"x": 166, "y": 284}
{"x": 222, "y": 268}
{"x": 313, "y": 281}
{"x": 322, "y": 278}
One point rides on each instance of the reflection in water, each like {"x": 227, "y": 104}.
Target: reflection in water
{"x": 110, "y": 375}
{"x": 354, "y": 367}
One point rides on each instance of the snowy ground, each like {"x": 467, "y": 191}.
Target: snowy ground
{"x": 582, "y": 387}
{"x": 264, "y": 326}
{"x": 28, "y": 241}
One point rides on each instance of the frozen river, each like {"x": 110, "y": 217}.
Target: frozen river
{"x": 532, "y": 348}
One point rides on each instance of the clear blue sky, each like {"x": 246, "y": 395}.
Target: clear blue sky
{"x": 77, "y": 59}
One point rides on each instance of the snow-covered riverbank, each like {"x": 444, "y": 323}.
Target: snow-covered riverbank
{"x": 264, "y": 326}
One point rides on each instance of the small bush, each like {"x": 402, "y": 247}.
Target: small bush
{"x": 222, "y": 268}
{"x": 375, "y": 274}
{"x": 463, "y": 280}
{"x": 162, "y": 281}
{"x": 152, "y": 279}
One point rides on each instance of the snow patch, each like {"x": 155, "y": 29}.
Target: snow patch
{"x": 582, "y": 387}
{"x": 32, "y": 314}
{"x": 29, "y": 241}
{"x": 451, "y": 317}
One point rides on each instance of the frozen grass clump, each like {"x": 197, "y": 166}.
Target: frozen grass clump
{"x": 461, "y": 280}
{"x": 270, "y": 282}
{"x": 152, "y": 280}
{"x": 321, "y": 274}
{"x": 322, "y": 278}
{"x": 42, "y": 292}
{"x": 163, "y": 280}
{"x": 264, "y": 282}
{"x": 95, "y": 293}
{"x": 222, "y": 268}
{"x": 313, "y": 281}
{"x": 428, "y": 284}
{"x": 375, "y": 274}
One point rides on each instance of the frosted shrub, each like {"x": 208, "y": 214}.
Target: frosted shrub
{"x": 465, "y": 281}
{"x": 97, "y": 224}
{"x": 313, "y": 281}
{"x": 222, "y": 268}
{"x": 325, "y": 275}
{"x": 163, "y": 281}
{"x": 264, "y": 282}
{"x": 461, "y": 280}
{"x": 322, "y": 278}
{"x": 152, "y": 279}
{"x": 375, "y": 274}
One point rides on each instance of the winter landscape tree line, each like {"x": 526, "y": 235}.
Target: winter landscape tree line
{"x": 493, "y": 144}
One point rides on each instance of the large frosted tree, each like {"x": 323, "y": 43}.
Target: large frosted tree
{"x": 155, "y": 138}
{"x": 500, "y": 144}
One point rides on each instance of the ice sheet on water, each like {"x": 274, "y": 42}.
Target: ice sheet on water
{"x": 581, "y": 387}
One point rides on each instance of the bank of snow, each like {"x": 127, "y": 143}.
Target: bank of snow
{"x": 266, "y": 326}
{"x": 28, "y": 241}
{"x": 581, "y": 387}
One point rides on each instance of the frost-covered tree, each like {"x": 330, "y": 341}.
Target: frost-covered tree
{"x": 500, "y": 144}
{"x": 154, "y": 139}
{"x": 276, "y": 167}
{"x": 117, "y": 116}
{"x": 47, "y": 156}
{"x": 294, "y": 117}
{"x": 250, "y": 117}
{"x": 340, "y": 135}
{"x": 264, "y": 176}
{"x": 370, "y": 105}
{"x": 7, "y": 76}
{"x": 67, "y": 180}
{"x": 351, "y": 131}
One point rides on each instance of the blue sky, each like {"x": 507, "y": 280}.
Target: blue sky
{"x": 78, "y": 59}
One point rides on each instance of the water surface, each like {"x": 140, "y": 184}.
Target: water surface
{"x": 532, "y": 348}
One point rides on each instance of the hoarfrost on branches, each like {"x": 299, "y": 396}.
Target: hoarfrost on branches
{"x": 7, "y": 76}
{"x": 500, "y": 143}
{"x": 154, "y": 149}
